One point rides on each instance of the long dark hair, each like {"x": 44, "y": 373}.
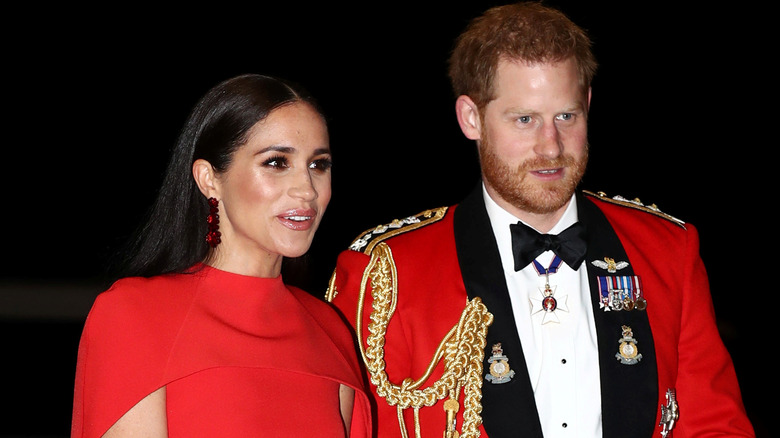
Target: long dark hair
{"x": 172, "y": 238}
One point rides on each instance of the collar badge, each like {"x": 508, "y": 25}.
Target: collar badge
{"x": 499, "y": 367}
{"x": 628, "y": 353}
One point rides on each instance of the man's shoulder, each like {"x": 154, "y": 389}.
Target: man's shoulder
{"x": 407, "y": 227}
{"x": 409, "y": 244}
{"x": 631, "y": 208}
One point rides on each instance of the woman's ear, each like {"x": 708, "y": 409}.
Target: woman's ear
{"x": 468, "y": 117}
{"x": 205, "y": 178}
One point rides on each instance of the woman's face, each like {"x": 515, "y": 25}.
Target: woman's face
{"x": 275, "y": 191}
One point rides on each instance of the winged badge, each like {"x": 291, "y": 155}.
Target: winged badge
{"x": 609, "y": 264}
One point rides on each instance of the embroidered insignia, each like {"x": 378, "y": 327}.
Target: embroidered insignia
{"x": 627, "y": 353}
{"x": 621, "y": 292}
{"x": 609, "y": 264}
{"x": 372, "y": 237}
{"x": 635, "y": 203}
{"x": 669, "y": 413}
{"x": 499, "y": 367}
{"x": 361, "y": 242}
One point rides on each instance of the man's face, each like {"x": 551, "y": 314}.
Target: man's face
{"x": 533, "y": 143}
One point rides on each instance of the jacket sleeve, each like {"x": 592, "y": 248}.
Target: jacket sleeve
{"x": 707, "y": 388}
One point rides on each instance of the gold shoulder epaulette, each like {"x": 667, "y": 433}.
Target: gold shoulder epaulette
{"x": 373, "y": 236}
{"x": 636, "y": 204}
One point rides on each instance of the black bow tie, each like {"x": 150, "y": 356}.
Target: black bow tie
{"x": 527, "y": 244}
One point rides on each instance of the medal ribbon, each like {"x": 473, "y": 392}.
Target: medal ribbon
{"x": 622, "y": 286}
{"x": 554, "y": 265}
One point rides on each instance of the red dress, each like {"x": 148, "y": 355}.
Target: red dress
{"x": 240, "y": 356}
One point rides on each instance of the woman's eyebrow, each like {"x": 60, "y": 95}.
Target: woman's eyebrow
{"x": 277, "y": 148}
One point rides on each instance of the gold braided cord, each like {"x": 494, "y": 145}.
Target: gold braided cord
{"x": 400, "y": 413}
{"x": 463, "y": 349}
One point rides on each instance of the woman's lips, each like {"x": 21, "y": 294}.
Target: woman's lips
{"x": 298, "y": 219}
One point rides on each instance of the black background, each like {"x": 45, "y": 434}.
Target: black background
{"x": 95, "y": 98}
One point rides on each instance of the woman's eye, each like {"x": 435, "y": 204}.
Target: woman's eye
{"x": 279, "y": 162}
{"x": 524, "y": 119}
{"x": 322, "y": 164}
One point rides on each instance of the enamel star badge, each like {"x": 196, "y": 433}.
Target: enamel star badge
{"x": 499, "y": 366}
{"x": 628, "y": 353}
{"x": 549, "y": 303}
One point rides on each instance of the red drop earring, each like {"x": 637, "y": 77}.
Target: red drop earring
{"x": 213, "y": 236}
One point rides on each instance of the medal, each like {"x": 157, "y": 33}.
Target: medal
{"x": 548, "y": 303}
{"x": 640, "y": 303}
{"x": 621, "y": 292}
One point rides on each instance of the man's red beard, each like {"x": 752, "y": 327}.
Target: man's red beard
{"x": 537, "y": 197}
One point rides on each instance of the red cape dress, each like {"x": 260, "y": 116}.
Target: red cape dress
{"x": 240, "y": 356}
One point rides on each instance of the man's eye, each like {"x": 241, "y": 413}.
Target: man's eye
{"x": 565, "y": 116}
{"x": 524, "y": 119}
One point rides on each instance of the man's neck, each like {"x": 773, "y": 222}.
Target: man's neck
{"x": 541, "y": 222}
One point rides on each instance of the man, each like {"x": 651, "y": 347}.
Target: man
{"x": 468, "y": 328}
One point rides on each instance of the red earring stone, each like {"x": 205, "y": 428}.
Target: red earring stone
{"x": 213, "y": 235}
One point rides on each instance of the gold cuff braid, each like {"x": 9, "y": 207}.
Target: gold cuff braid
{"x": 463, "y": 350}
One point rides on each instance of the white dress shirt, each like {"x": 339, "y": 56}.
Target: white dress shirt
{"x": 560, "y": 347}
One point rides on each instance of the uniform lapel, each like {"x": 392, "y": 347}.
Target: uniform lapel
{"x": 509, "y": 408}
{"x": 629, "y": 393}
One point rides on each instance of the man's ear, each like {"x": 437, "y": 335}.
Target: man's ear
{"x": 468, "y": 117}
{"x": 205, "y": 178}
{"x": 590, "y": 92}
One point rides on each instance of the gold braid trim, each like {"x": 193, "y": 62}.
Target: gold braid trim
{"x": 463, "y": 350}
{"x": 636, "y": 204}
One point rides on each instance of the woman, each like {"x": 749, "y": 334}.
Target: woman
{"x": 200, "y": 336}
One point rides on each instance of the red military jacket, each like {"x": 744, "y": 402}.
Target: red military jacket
{"x": 430, "y": 272}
